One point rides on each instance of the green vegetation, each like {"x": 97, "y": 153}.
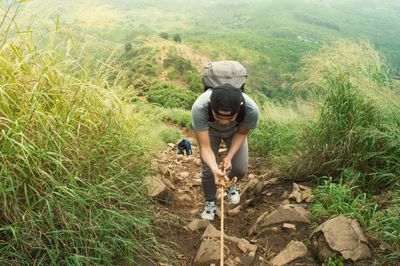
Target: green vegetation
{"x": 335, "y": 260}
{"x": 72, "y": 163}
{"x": 171, "y": 97}
{"x": 164, "y": 35}
{"x": 81, "y": 111}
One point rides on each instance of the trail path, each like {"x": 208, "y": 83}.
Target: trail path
{"x": 181, "y": 203}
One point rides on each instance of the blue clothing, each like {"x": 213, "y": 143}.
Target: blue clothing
{"x": 184, "y": 146}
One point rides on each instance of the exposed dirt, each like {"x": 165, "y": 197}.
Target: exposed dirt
{"x": 186, "y": 202}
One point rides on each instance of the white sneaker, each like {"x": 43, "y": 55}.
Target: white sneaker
{"x": 233, "y": 195}
{"x": 209, "y": 210}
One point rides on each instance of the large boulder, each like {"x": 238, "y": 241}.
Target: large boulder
{"x": 343, "y": 235}
{"x": 209, "y": 251}
{"x": 284, "y": 213}
{"x": 293, "y": 250}
{"x": 156, "y": 188}
{"x": 198, "y": 224}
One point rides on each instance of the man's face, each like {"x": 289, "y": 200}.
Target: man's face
{"x": 224, "y": 118}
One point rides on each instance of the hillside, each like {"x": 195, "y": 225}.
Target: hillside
{"x": 261, "y": 33}
{"x": 95, "y": 96}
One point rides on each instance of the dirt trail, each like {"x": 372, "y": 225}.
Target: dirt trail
{"x": 185, "y": 203}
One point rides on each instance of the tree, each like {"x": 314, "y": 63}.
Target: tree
{"x": 177, "y": 38}
{"x": 164, "y": 35}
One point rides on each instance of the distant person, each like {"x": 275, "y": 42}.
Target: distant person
{"x": 184, "y": 147}
{"x": 223, "y": 113}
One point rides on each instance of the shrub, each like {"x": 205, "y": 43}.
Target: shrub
{"x": 164, "y": 35}
{"x": 180, "y": 117}
{"x": 171, "y": 97}
{"x": 170, "y": 135}
{"x": 177, "y": 38}
{"x": 179, "y": 64}
{"x": 352, "y": 132}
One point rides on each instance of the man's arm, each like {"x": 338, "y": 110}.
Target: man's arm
{"x": 237, "y": 142}
{"x": 207, "y": 154}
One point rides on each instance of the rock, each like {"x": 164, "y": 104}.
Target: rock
{"x": 238, "y": 261}
{"x": 252, "y": 255}
{"x": 197, "y": 162}
{"x": 296, "y": 196}
{"x": 196, "y": 182}
{"x": 167, "y": 182}
{"x": 197, "y": 224}
{"x": 293, "y": 250}
{"x": 234, "y": 211}
{"x": 269, "y": 194}
{"x": 274, "y": 230}
{"x": 181, "y": 197}
{"x": 251, "y": 176}
{"x": 284, "y": 213}
{"x": 289, "y": 226}
{"x": 156, "y": 189}
{"x": 301, "y": 193}
{"x": 242, "y": 247}
{"x": 343, "y": 235}
{"x": 249, "y": 186}
{"x": 164, "y": 170}
{"x": 208, "y": 252}
{"x": 286, "y": 201}
{"x": 285, "y": 195}
{"x": 310, "y": 199}
{"x": 194, "y": 211}
{"x": 184, "y": 175}
{"x": 171, "y": 145}
{"x": 233, "y": 262}
{"x": 211, "y": 232}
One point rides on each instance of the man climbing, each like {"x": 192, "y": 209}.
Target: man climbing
{"x": 223, "y": 113}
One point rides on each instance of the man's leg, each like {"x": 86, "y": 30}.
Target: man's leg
{"x": 207, "y": 177}
{"x": 239, "y": 161}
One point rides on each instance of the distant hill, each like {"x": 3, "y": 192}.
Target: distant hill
{"x": 270, "y": 37}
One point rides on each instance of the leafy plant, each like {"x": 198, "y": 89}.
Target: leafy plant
{"x": 171, "y": 97}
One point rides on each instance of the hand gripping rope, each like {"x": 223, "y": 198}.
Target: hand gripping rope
{"x": 223, "y": 184}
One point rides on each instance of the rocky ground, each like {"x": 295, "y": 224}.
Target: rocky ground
{"x": 270, "y": 226}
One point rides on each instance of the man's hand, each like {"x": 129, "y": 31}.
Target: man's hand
{"x": 218, "y": 174}
{"x": 220, "y": 177}
{"x": 227, "y": 161}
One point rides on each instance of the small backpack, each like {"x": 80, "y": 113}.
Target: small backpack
{"x": 222, "y": 72}
{"x": 225, "y": 72}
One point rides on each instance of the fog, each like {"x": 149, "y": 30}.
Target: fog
{"x": 316, "y": 20}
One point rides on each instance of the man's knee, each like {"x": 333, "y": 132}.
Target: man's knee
{"x": 239, "y": 173}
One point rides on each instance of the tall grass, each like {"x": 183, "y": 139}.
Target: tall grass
{"x": 378, "y": 215}
{"x": 71, "y": 164}
{"x": 352, "y": 132}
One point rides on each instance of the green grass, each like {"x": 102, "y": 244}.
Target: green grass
{"x": 334, "y": 199}
{"x": 171, "y": 97}
{"x": 72, "y": 163}
{"x": 377, "y": 215}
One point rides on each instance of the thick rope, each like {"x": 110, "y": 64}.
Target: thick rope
{"x": 224, "y": 184}
{"x": 222, "y": 225}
